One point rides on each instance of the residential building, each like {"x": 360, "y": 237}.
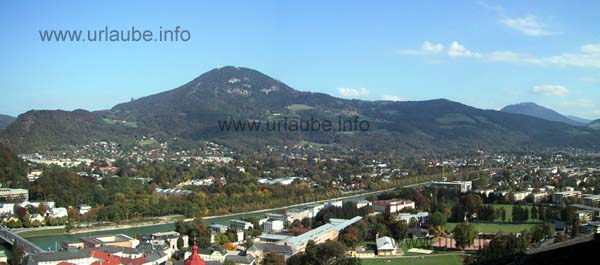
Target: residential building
{"x": 521, "y": 195}
{"x": 558, "y": 197}
{"x": 172, "y": 192}
{"x": 59, "y": 212}
{"x": 593, "y": 227}
{"x": 13, "y": 195}
{"x": 314, "y": 209}
{"x": 297, "y": 214}
{"x": 84, "y": 208}
{"x": 584, "y": 216}
{"x": 362, "y": 203}
{"x": 592, "y": 200}
{"x": 273, "y": 226}
{"x": 36, "y": 204}
{"x": 218, "y": 228}
{"x": 119, "y": 240}
{"x": 392, "y": 206}
{"x": 290, "y": 245}
{"x": 272, "y": 238}
{"x": 273, "y": 216}
{"x": 55, "y": 258}
{"x": 386, "y": 246}
{"x": 462, "y": 186}
{"x": 7, "y": 208}
{"x": 420, "y": 217}
{"x": 240, "y": 225}
{"x": 539, "y": 196}
{"x": 337, "y": 203}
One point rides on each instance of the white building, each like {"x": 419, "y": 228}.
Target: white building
{"x": 273, "y": 226}
{"x": 362, "y": 203}
{"x": 386, "y": 246}
{"x": 59, "y": 212}
{"x": 462, "y": 186}
{"x": 84, "y": 208}
{"x": 240, "y": 225}
{"x": 558, "y": 197}
{"x": 7, "y": 208}
{"x": 521, "y": 195}
{"x": 337, "y": 203}
{"x": 392, "y": 206}
{"x": 420, "y": 217}
{"x": 297, "y": 214}
{"x": 313, "y": 210}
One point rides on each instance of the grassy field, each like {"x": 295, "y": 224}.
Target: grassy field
{"x": 46, "y": 232}
{"x": 432, "y": 260}
{"x": 508, "y": 208}
{"x": 493, "y": 228}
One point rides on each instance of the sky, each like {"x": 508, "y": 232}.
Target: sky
{"x": 485, "y": 54}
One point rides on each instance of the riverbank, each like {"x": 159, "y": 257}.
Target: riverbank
{"x": 31, "y": 233}
{"x": 180, "y": 217}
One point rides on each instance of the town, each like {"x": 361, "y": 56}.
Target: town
{"x": 216, "y": 206}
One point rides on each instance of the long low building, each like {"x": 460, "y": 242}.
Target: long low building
{"x": 462, "y": 186}
{"x": 295, "y": 244}
{"x": 392, "y": 206}
{"x": 13, "y": 195}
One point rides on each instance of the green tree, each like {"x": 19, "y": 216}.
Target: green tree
{"x": 180, "y": 243}
{"x": 438, "y": 219}
{"x": 534, "y": 213}
{"x": 464, "y": 235}
{"x": 350, "y": 236}
{"x": 272, "y": 258}
{"x": 18, "y": 252}
{"x": 501, "y": 246}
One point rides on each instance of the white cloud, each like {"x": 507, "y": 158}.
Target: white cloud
{"x": 580, "y": 103}
{"x": 528, "y": 25}
{"x": 491, "y": 7}
{"x": 391, "y": 98}
{"x": 590, "y": 79}
{"x": 429, "y": 47}
{"x": 591, "y": 48}
{"x": 458, "y": 50}
{"x": 353, "y": 92}
{"x": 550, "y": 90}
{"x": 455, "y": 49}
{"x": 588, "y": 55}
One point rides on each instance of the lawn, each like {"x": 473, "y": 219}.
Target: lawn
{"x": 431, "y": 260}
{"x": 418, "y": 243}
{"x": 493, "y": 228}
{"x": 45, "y": 232}
{"x": 508, "y": 208}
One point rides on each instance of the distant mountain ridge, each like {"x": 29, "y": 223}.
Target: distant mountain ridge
{"x": 193, "y": 111}
{"x": 535, "y": 110}
{"x": 6, "y": 120}
{"x": 595, "y": 124}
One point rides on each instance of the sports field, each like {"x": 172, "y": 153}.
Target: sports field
{"x": 508, "y": 208}
{"x": 417, "y": 260}
{"x": 494, "y": 228}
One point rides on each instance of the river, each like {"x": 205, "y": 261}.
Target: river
{"x": 55, "y": 241}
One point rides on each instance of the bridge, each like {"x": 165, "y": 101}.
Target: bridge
{"x": 12, "y": 238}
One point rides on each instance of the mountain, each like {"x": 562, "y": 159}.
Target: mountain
{"x": 195, "y": 111}
{"x": 42, "y": 129}
{"x": 13, "y": 170}
{"x": 5, "y": 120}
{"x": 535, "y": 110}
{"x": 579, "y": 119}
{"x": 595, "y": 125}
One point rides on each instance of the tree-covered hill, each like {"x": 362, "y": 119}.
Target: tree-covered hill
{"x": 194, "y": 111}
{"x": 13, "y": 170}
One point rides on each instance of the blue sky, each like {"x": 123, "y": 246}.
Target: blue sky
{"x": 482, "y": 53}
